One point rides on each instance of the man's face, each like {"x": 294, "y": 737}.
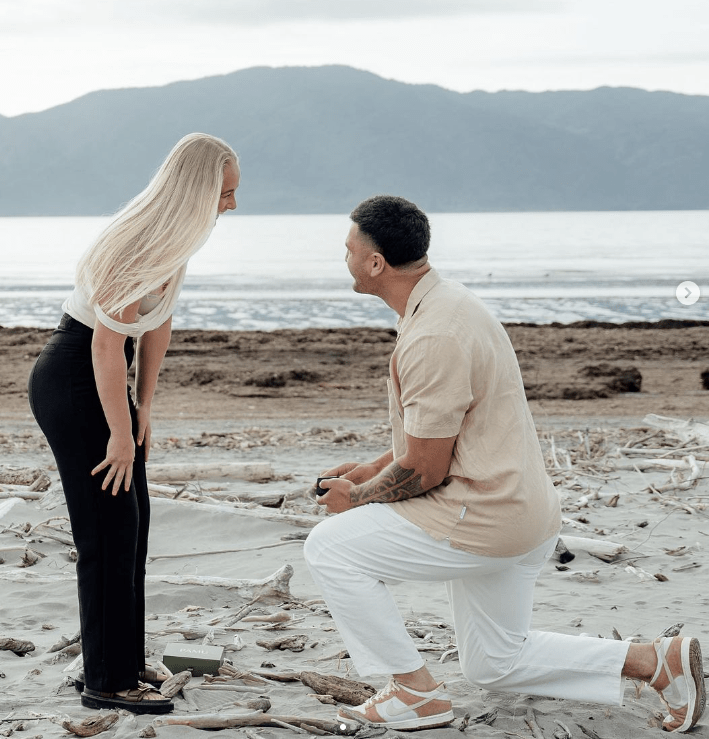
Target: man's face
{"x": 359, "y": 260}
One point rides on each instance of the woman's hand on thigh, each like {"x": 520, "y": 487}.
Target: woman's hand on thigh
{"x": 120, "y": 453}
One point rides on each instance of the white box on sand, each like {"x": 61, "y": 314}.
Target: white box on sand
{"x": 199, "y": 658}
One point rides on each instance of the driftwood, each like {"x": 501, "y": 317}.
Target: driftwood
{"x": 601, "y": 549}
{"x": 18, "y": 646}
{"x": 92, "y": 725}
{"x": 229, "y": 672}
{"x": 260, "y": 703}
{"x": 223, "y": 551}
{"x": 65, "y": 642}
{"x": 344, "y": 690}
{"x": 181, "y": 472}
{"x": 45, "y": 530}
{"x": 174, "y": 684}
{"x": 352, "y": 692}
{"x": 272, "y": 618}
{"x": 20, "y": 475}
{"x": 685, "y": 430}
{"x": 531, "y": 721}
{"x": 5, "y": 493}
{"x": 295, "y": 519}
{"x": 293, "y": 643}
{"x": 272, "y": 589}
{"x": 257, "y": 718}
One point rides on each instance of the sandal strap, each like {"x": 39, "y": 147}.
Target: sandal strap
{"x": 662, "y": 645}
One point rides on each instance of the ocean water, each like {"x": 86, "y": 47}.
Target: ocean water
{"x": 269, "y": 272}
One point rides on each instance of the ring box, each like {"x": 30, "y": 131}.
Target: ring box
{"x": 200, "y": 659}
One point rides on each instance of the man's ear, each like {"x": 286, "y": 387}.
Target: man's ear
{"x": 378, "y": 264}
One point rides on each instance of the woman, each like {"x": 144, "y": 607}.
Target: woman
{"x": 126, "y": 288}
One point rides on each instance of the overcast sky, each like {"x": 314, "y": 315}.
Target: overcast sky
{"x": 53, "y": 51}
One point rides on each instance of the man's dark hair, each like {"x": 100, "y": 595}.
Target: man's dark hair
{"x": 398, "y": 229}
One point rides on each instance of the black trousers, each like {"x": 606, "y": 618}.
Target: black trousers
{"x": 110, "y": 532}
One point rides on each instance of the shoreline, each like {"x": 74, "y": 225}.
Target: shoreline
{"x": 587, "y": 370}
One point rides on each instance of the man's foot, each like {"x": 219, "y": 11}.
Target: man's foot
{"x": 679, "y": 680}
{"x": 143, "y": 699}
{"x": 406, "y": 709}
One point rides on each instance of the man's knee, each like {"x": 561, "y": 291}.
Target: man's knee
{"x": 315, "y": 545}
{"x": 486, "y": 671}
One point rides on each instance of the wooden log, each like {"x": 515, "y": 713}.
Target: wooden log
{"x": 179, "y": 555}
{"x": 272, "y": 589}
{"x": 294, "y": 643}
{"x": 686, "y": 430}
{"x": 272, "y": 618}
{"x": 295, "y": 519}
{"x": 92, "y": 725}
{"x": 662, "y": 464}
{"x": 18, "y": 646}
{"x": 601, "y": 549}
{"x": 162, "y": 491}
{"x": 44, "y": 531}
{"x": 65, "y": 642}
{"x": 281, "y": 677}
{"x": 352, "y": 692}
{"x": 185, "y": 471}
{"x": 5, "y": 494}
{"x": 12, "y": 475}
{"x": 174, "y": 684}
{"x": 257, "y": 718}
{"x": 531, "y": 721}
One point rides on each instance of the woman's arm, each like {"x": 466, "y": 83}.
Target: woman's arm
{"x": 151, "y": 352}
{"x": 111, "y": 372}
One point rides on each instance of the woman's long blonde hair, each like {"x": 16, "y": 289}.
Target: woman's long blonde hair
{"x": 155, "y": 234}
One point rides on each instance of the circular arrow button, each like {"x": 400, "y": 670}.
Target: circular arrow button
{"x": 687, "y": 292}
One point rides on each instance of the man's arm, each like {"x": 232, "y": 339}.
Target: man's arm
{"x": 424, "y": 465}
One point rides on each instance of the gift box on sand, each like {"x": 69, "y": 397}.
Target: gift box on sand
{"x": 199, "y": 658}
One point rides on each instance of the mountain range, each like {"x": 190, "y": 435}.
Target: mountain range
{"x": 320, "y": 139}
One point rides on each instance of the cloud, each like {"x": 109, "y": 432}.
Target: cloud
{"x": 30, "y": 15}
{"x": 273, "y": 11}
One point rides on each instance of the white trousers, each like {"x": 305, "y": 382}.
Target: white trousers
{"x": 355, "y": 555}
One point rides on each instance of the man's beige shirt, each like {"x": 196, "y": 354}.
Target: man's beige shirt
{"x": 454, "y": 373}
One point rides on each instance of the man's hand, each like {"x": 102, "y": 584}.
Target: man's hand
{"x": 339, "y": 495}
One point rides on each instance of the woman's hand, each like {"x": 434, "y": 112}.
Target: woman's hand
{"x": 144, "y": 429}
{"x": 120, "y": 453}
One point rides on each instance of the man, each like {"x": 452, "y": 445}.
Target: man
{"x": 462, "y": 497}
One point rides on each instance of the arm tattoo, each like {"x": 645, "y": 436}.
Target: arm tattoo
{"x": 392, "y": 484}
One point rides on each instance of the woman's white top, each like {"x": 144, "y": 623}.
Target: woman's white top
{"x": 155, "y": 308}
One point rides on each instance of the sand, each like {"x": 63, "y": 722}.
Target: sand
{"x": 302, "y": 401}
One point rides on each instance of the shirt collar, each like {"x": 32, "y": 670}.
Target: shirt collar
{"x": 421, "y": 289}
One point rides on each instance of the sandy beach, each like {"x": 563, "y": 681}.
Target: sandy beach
{"x": 244, "y": 422}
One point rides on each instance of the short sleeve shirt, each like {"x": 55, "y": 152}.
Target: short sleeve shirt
{"x": 454, "y": 372}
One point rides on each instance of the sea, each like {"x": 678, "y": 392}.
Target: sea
{"x": 260, "y": 272}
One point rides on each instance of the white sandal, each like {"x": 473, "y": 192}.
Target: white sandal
{"x": 685, "y": 694}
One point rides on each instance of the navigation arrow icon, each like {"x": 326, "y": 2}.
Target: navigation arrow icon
{"x": 687, "y": 292}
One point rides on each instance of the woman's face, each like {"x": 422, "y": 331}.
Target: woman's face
{"x": 227, "y": 200}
